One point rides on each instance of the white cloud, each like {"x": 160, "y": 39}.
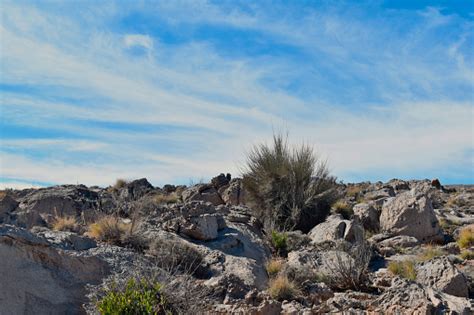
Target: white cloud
{"x": 141, "y": 40}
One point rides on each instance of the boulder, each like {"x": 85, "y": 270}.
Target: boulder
{"x": 7, "y": 205}
{"x": 441, "y": 274}
{"x": 334, "y": 228}
{"x": 234, "y": 193}
{"x": 135, "y": 189}
{"x": 398, "y": 185}
{"x": 368, "y": 215}
{"x": 67, "y": 240}
{"x": 408, "y": 297}
{"x": 203, "y": 227}
{"x": 411, "y": 214}
{"x": 39, "y": 279}
{"x": 202, "y": 192}
{"x": 386, "y": 192}
{"x": 220, "y": 180}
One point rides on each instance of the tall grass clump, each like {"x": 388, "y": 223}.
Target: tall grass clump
{"x": 289, "y": 188}
{"x": 466, "y": 237}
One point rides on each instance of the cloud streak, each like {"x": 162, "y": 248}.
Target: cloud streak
{"x": 174, "y": 91}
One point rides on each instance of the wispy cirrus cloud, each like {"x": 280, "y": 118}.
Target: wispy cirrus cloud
{"x": 174, "y": 91}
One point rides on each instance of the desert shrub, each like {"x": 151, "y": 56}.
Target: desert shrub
{"x": 296, "y": 240}
{"x": 466, "y": 237}
{"x": 281, "y": 288}
{"x": 279, "y": 242}
{"x": 109, "y": 229}
{"x": 274, "y": 266}
{"x": 467, "y": 254}
{"x": 430, "y": 252}
{"x": 137, "y": 297}
{"x": 353, "y": 191}
{"x": 288, "y": 188}
{"x": 346, "y": 266}
{"x": 65, "y": 224}
{"x": 174, "y": 255}
{"x": 343, "y": 208}
{"x": 405, "y": 269}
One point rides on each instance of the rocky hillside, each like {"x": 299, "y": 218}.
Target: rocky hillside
{"x": 394, "y": 248}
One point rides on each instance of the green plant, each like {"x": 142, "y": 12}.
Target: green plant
{"x": 467, "y": 254}
{"x": 279, "y": 241}
{"x": 137, "y": 297}
{"x": 405, "y": 269}
{"x": 281, "y": 288}
{"x": 466, "y": 237}
{"x": 343, "y": 208}
{"x": 288, "y": 188}
{"x": 274, "y": 266}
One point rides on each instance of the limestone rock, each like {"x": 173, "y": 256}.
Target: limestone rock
{"x": 203, "y": 227}
{"x": 234, "y": 193}
{"x": 368, "y": 215}
{"x": 441, "y": 274}
{"x": 411, "y": 214}
{"x": 202, "y": 192}
{"x": 334, "y": 228}
{"x": 38, "y": 279}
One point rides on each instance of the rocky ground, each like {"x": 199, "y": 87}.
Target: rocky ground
{"x": 213, "y": 256}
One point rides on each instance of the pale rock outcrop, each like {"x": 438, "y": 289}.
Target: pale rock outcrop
{"x": 441, "y": 274}
{"x": 39, "y": 279}
{"x": 202, "y": 192}
{"x": 412, "y": 214}
{"x": 408, "y": 297}
{"x": 334, "y": 228}
{"x": 368, "y": 215}
{"x": 233, "y": 193}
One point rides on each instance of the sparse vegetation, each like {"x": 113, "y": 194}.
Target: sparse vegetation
{"x": 288, "y": 188}
{"x": 466, "y": 237}
{"x": 353, "y": 191}
{"x": 281, "y": 288}
{"x": 174, "y": 255}
{"x": 346, "y": 267}
{"x": 119, "y": 183}
{"x": 343, "y": 208}
{"x": 66, "y": 223}
{"x": 274, "y": 266}
{"x": 109, "y": 229}
{"x": 137, "y": 297}
{"x": 405, "y": 269}
{"x": 279, "y": 242}
{"x": 166, "y": 198}
{"x": 430, "y": 252}
{"x": 467, "y": 254}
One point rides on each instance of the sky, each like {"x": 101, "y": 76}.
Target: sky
{"x": 180, "y": 91}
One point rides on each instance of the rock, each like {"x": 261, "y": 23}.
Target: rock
{"x": 334, "y": 228}
{"x": 67, "y": 240}
{"x": 407, "y": 297}
{"x": 135, "y": 189}
{"x": 234, "y": 193}
{"x": 441, "y": 274}
{"x": 39, "y": 279}
{"x": 411, "y": 214}
{"x": 202, "y": 228}
{"x": 220, "y": 180}
{"x": 368, "y": 215}
{"x": 398, "y": 185}
{"x": 386, "y": 192}
{"x": 436, "y": 183}
{"x": 202, "y": 192}
{"x": 401, "y": 241}
{"x": 7, "y": 205}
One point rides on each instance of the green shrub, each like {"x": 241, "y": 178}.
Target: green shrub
{"x": 137, "y": 297}
{"x": 288, "y": 188}
{"x": 279, "y": 242}
{"x": 405, "y": 269}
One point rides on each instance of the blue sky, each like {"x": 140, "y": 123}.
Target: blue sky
{"x": 178, "y": 91}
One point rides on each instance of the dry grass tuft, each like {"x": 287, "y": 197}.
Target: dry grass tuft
{"x": 274, "y": 266}
{"x": 430, "y": 252}
{"x": 466, "y": 237}
{"x": 405, "y": 269}
{"x": 108, "y": 229}
{"x": 65, "y": 224}
{"x": 467, "y": 254}
{"x": 281, "y": 288}
{"x": 343, "y": 208}
{"x": 166, "y": 198}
